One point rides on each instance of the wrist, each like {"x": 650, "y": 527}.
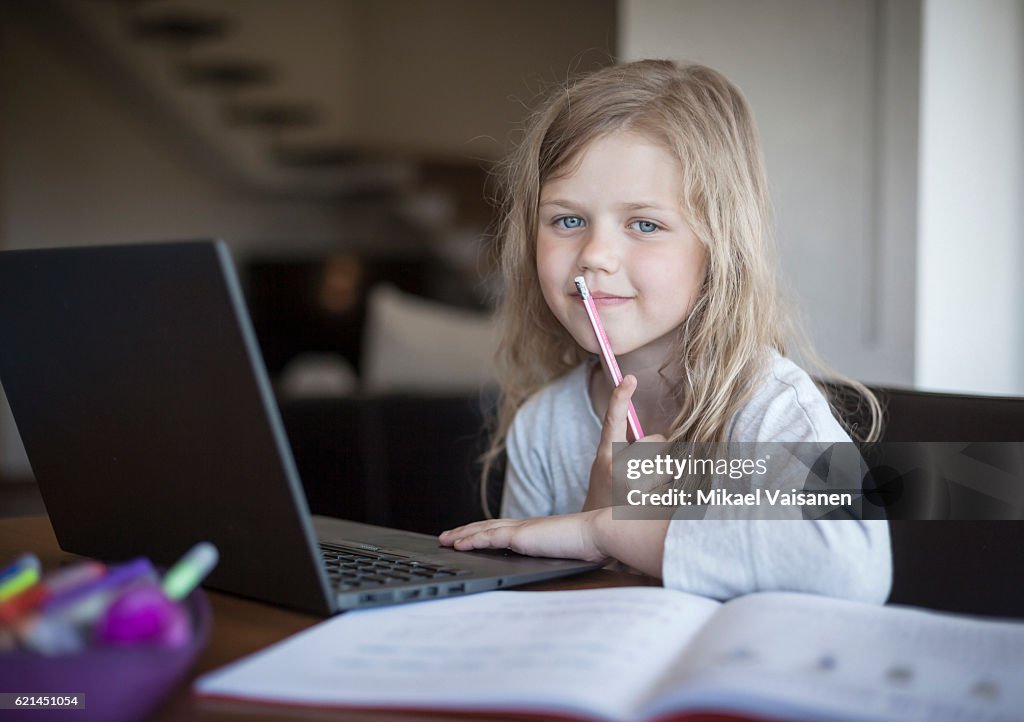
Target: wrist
{"x": 597, "y": 525}
{"x": 596, "y": 499}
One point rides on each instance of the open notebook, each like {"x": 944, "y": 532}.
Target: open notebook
{"x": 644, "y": 653}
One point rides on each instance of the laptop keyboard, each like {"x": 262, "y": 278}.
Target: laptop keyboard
{"x": 350, "y": 568}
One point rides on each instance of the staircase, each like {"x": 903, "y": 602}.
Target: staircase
{"x": 239, "y": 79}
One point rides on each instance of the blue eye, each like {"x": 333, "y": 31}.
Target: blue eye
{"x": 646, "y": 226}
{"x": 569, "y": 222}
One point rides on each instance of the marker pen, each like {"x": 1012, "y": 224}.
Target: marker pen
{"x": 25, "y": 602}
{"x": 23, "y": 562}
{"x": 632, "y": 421}
{"x": 50, "y": 635}
{"x": 144, "y": 614}
{"x": 83, "y": 603}
{"x": 22, "y": 604}
{"x": 41, "y": 633}
{"x": 190, "y": 570}
{"x": 18, "y": 582}
{"x": 63, "y": 580}
{"x": 151, "y": 613}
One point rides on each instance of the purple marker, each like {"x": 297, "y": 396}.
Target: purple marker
{"x": 82, "y": 604}
{"x": 144, "y": 614}
{"x": 151, "y": 613}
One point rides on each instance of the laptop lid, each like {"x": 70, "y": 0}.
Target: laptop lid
{"x": 137, "y": 386}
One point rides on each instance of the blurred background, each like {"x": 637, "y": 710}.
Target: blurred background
{"x": 341, "y": 148}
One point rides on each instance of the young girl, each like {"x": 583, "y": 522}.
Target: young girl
{"x": 647, "y": 180}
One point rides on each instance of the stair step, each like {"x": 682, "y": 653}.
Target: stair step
{"x": 227, "y": 74}
{"x": 276, "y": 115}
{"x": 180, "y": 28}
{"x": 318, "y": 156}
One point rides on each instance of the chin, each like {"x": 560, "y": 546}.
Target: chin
{"x": 589, "y": 347}
{"x": 588, "y": 343}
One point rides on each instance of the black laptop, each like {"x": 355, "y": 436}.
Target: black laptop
{"x": 140, "y": 394}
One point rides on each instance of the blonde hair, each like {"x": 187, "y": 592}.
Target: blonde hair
{"x": 723, "y": 347}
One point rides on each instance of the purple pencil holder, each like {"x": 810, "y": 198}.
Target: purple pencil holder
{"x": 120, "y": 684}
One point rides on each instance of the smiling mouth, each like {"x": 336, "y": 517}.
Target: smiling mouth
{"x": 605, "y": 300}
{"x": 602, "y": 301}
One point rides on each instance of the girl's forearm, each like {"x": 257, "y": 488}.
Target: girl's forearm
{"x": 638, "y": 543}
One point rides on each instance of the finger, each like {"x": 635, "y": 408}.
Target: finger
{"x": 493, "y": 538}
{"x": 447, "y": 537}
{"x": 634, "y": 451}
{"x": 473, "y": 526}
{"x": 666, "y": 445}
{"x": 614, "y": 427}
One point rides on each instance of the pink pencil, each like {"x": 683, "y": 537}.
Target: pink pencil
{"x": 606, "y": 352}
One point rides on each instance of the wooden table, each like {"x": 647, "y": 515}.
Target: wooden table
{"x": 241, "y": 627}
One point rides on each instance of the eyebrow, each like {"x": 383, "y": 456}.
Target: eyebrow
{"x": 631, "y": 206}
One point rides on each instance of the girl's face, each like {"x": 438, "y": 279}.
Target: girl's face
{"x": 616, "y": 220}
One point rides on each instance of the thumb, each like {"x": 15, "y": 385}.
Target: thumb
{"x": 614, "y": 428}
{"x": 656, "y": 439}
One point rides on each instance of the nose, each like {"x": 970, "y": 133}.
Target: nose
{"x": 599, "y": 252}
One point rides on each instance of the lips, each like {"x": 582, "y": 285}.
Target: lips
{"x": 604, "y": 299}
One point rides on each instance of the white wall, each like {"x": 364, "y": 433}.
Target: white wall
{"x": 456, "y": 76}
{"x": 894, "y": 136}
{"x": 970, "y": 301}
{"x": 833, "y": 87}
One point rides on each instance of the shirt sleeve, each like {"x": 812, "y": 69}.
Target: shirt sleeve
{"x": 724, "y": 558}
{"x": 527, "y": 490}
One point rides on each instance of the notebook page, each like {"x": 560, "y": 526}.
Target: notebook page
{"x": 590, "y": 651}
{"x": 804, "y": 657}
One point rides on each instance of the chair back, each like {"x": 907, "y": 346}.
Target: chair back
{"x": 962, "y": 566}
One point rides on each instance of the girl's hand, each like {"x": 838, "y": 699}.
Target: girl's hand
{"x": 569, "y": 536}
{"x": 599, "y": 493}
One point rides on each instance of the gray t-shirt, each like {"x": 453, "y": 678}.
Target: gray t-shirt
{"x": 552, "y": 444}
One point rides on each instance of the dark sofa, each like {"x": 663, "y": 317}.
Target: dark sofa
{"x": 409, "y": 460}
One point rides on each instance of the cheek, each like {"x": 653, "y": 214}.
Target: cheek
{"x": 551, "y": 271}
{"x": 674, "y": 279}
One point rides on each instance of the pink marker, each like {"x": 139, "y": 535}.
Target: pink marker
{"x": 606, "y": 352}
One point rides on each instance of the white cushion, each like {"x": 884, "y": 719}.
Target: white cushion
{"x": 317, "y": 375}
{"x": 413, "y": 344}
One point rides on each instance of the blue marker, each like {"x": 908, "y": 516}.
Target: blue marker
{"x": 25, "y": 561}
